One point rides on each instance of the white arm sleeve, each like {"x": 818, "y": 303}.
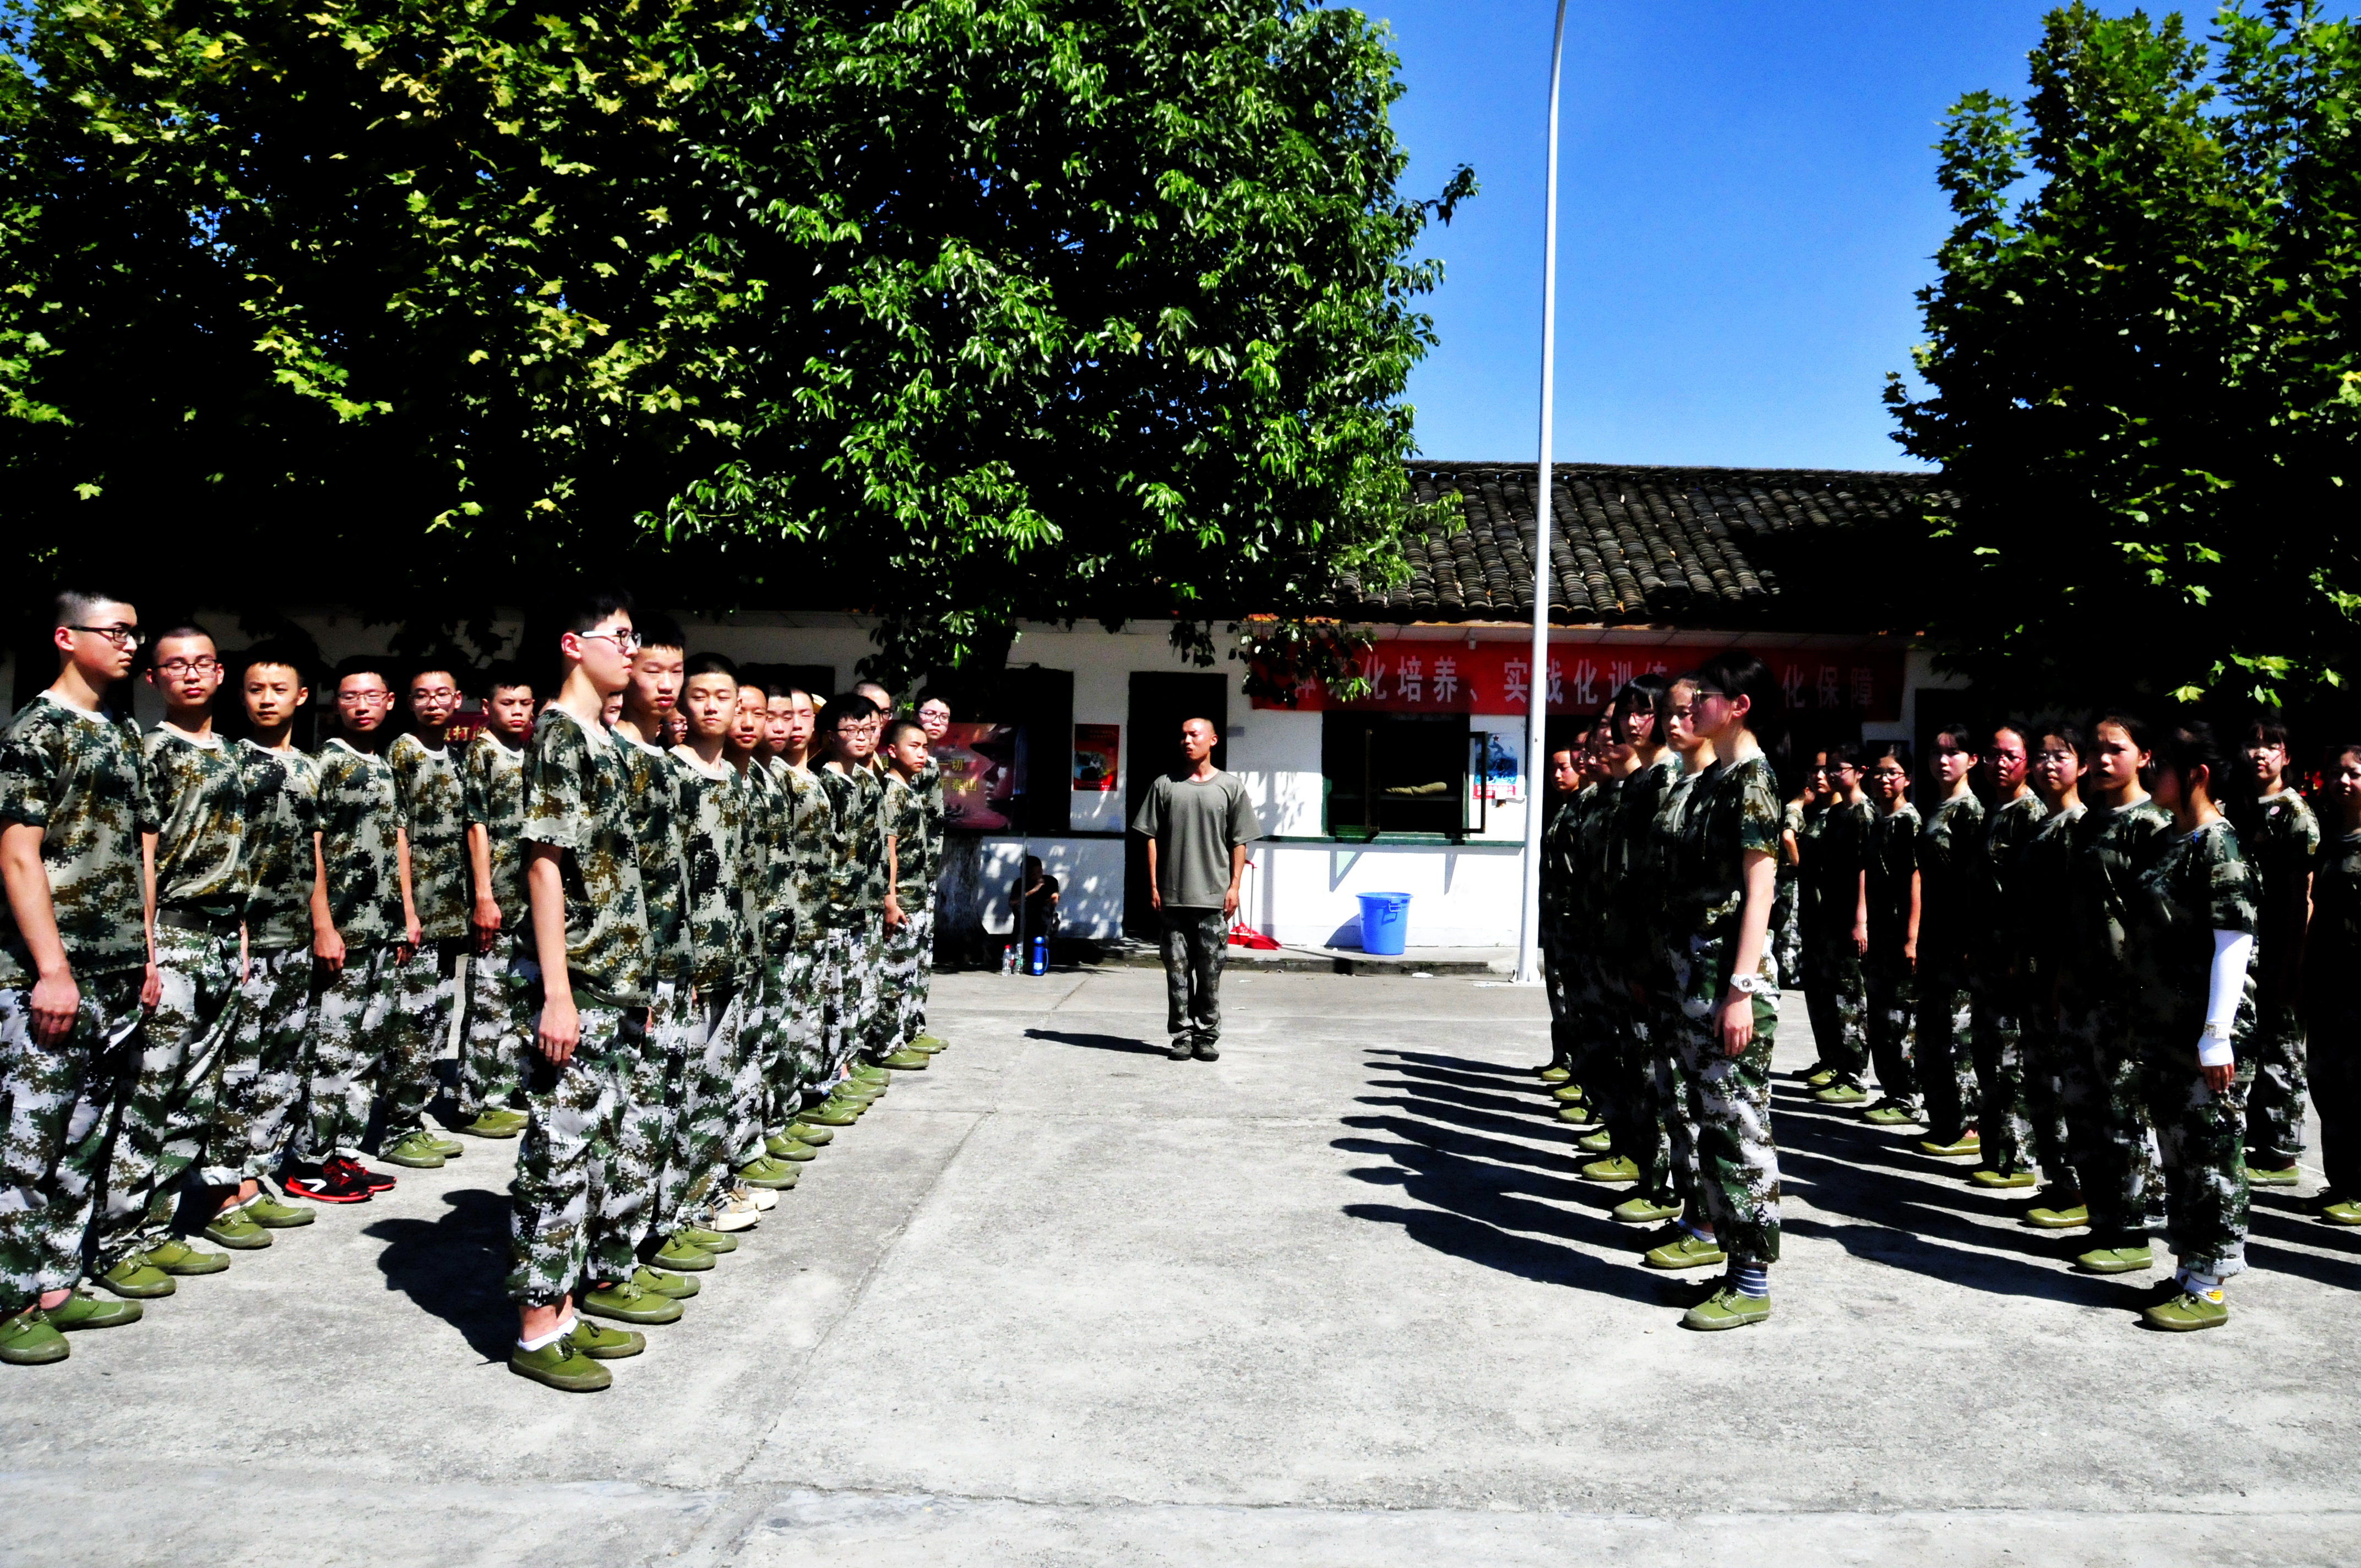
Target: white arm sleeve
{"x": 2232, "y": 950}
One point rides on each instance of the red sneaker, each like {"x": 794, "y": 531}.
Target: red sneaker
{"x": 378, "y": 1180}
{"x": 337, "y": 1182}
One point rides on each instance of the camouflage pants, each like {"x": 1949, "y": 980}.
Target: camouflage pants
{"x": 2044, "y": 1053}
{"x": 656, "y": 1084}
{"x": 849, "y": 991}
{"x": 1737, "y": 1179}
{"x": 1196, "y": 945}
{"x": 425, "y": 988}
{"x": 263, "y": 1067}
{"x": 2201, "y": 1143}
{"x": 56, "y": 1104}
{"x": 2336, "y": 1095}
{"x": 1942, "y": 1032}
{"x": 794, "y": 1018}
{"x": 1558, "y": 985}
{"x": 353, "y": 1028}
{"x": 162, "y": 1129}
{"x": 2274, "y": 1102}
{"x": 1996, "y": 1044}
{"x": 1835, "y": 999}
{"x": 494, "y": 1054}
{"x": 576, "y": 1118}
{"x": 2107, "y": 1133}
{"x": 719, "y": 1111}
{"x": 1892, "y": 998}
{"x": 902, "y": 1013}
{"x": 1627, "y": 1091}
{"x": 1785, "y": 935}
{"x": 1678, "y": 1179}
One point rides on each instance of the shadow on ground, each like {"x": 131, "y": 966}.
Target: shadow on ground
{"x": 455, "y": 1268}
{"x": 1096, "y": 1042}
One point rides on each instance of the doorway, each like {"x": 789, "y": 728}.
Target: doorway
{"x": 1160, "y": 703}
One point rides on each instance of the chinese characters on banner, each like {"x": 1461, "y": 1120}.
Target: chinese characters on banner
{"x": 1498, "y": 677}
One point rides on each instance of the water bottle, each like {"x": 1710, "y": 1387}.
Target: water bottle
{"x": 1040, "y": 962}
{"x": 1008, "y": 959}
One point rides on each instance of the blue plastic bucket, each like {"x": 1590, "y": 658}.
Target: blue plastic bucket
{"x": 1385, "y": 922}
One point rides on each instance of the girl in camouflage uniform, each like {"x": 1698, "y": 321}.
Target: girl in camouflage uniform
{"x": 1890, "y": 883}
{"x": 2332, "y": 954}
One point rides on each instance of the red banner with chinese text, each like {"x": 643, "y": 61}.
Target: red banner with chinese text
{"x": 1497, "y": 677}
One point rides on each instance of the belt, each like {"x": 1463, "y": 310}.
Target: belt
{"x": 198, "y": 920}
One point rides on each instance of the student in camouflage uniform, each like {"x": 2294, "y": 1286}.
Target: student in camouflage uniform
{"x": 1997, "y": 971}
{"x": 1642, "y": 1150}
{"x": 426, "y": 980}
{"x": 1665, "y": 962}
{"x": 1561, "y": 891}
{"x": 935, "y": 719}
{"x": 73, "y": 802}
{"x": 196, "y": 898}
{"x": 2122, "y": 835}
{"x": 2332, "y": 1011}
{"x": 910, "y": 902}
{"x": 1583, "y": 1100}
{"x": 796, "y": 904}
{"x": 1727, "y": 992}
{"x": 263, "y": 1063}
{"x": 2280, "y": 836}
{"x": 493, "y": 1052}
{"x": 858, "y": 871}
{"x": 2041, "y": 892}
{"x": 1890, "y": 881}
{"x": 355, "y": 1030}
{"x": 2191, "y": 945}
{"x": 1836, "y": 982}
{"x": 1787, "y": 899}
{"x": 1950, "y": 841}
{"x": 591, "y": 947}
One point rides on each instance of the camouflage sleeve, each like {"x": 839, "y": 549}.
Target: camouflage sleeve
{"x": 473, "y": 801}
{"x": 27, "y": 776}
{"x": 147, "y": 815}
{"x": 2231, "y": 889}
{"x": 2307, "y": 833}
{"x": 406, "y": 756}
{"x": 1760, "y": 821}
{"x": 557, "y": 797}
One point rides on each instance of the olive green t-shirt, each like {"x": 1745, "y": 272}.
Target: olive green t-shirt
{"x": 1196, "y": 824}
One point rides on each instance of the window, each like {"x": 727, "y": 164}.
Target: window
{"x": 1395, "y": 773}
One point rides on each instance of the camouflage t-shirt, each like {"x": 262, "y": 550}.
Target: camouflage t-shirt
{"x": 1833, "y": 864}
{"x": 2042, "y": 889}
{"x": 1733, "y": 813}
{"x": 2332, "y": 952}
{"x": 1594, "y": 826}
{"x": 2001, "y": 911}
{"x": 1624, "y": 928}
{"x": 930, "y": 785}
{"x": 2113, "y": 846}
{"x": 1561, "y": 870}
{"x": 1664, "y": 875}
{"x": 906, "y": 822}
{"x": 856, "y": 869}
{"x": 716, "y": 818}
{"x": 664, "y": 873}
{"x": 491, "y": 792}
{"x": 359, "y": 816}
{"x": 202, "y": 802}
{"x": 1889, "y": 856}
{"x": 282, "y": 814}
{"x": 577, "y": 799}
{"x": 435, "y": 812}
{"x": 806, "y": 838}
{"x": 2196, "y": 884}
{"x": 768, "y": 868}
{"x": 2280, "y": 836}
{"x": 78, "y": 777}
{"x": 1950, "y": 842}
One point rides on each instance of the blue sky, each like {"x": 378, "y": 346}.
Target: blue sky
{"x": 1747, "y": 204}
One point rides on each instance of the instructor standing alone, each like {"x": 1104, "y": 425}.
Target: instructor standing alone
{"x": 1198, "y": 822}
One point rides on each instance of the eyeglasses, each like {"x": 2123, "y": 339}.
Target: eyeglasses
{"x": 189, "y": 666}
{"x": 624, "y": 641}
{"x": 121, "y": 636}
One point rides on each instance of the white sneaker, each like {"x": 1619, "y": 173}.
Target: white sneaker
{"x": 731, "y": 1215}
{"x": 763, "y": 1198}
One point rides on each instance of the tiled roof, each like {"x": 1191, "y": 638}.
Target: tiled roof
{"x": 1667, "y": 546}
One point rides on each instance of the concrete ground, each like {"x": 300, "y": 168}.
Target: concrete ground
{"x": 1336, "y": 1299}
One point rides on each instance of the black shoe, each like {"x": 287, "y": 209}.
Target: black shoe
{"x": 1208, "y": 1051}
{"x": 1179, "y": 1050}
{"x": 337, "y": 1182}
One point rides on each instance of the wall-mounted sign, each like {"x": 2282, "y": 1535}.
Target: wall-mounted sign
{"x": 1498, "y": 677}
{"x": 979, "y": 764}
{"x": 1097, "y": 748}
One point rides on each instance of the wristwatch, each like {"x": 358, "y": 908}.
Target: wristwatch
{"x": 1752, "y": 985}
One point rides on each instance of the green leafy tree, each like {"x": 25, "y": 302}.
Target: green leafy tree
{"x": 954, "y": 312}
{"x": 2143, "y": 367}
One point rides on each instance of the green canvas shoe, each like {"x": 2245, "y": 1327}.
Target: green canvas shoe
{"x": 174, "y": 1255}
{"x": 1620, "y": 1168}
{"x": 1891, "y": 1113}
{"x": 627, "y": 1303}
{"x": 274, "y": 1215}
{"x": 236, "y": 1229}
{"x": 1644, "y": 1210}
{"x": 657, "y": 1282}
{"x": 491, "y": 1124}
{"x": 1841, "y": 1094}
{"x": 805, "y": 1132}
{"x": 772, "y": 1175}
{"x": 870, "y": 1072}
{"x": 1998, "y": 1180}
{"x": 2188, "y": 1311}
{"x": 1567, "y": 1093}
{"x": 29, "y": 1339}
{"x": 1553, "y": 1074}
{"x": 137, "y": 1279}
{"x": 2344, "y": 1212}
{"x": 1820, "y": 1075}
{"x": 781, "y": 1147}
{"x": 858, "y": 1091}
{"x": 561, "y": 1367}
{"x": 416, "y": 1152}
{"x": 2054, "y": 1219}
{"x": 711, "y": 1241}
{"x": 908, "y": 1061}
{"x": 1967, "y": 1143}
{"x": 1685, "y": 1251}
{"x": 930, "y": 1044}
{"x": 83, "y": 1311}
{"x": 1728, "y": 1307}
{"x": 599, "y": 1343}
{"x": 449, "y": 1149}
{"x": 1601, "y": 1142}
{"x": 683, "y": 1256}
{"x": 831, "y": 1113}
{"x": 2116, "y": 1259}
{"x": 2284, "y": 1176}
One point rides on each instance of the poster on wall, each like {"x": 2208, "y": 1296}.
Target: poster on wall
{"x": 1097, "y": 748}
{"x": 981, "y": 775}
{"x": 1502, "y": 779}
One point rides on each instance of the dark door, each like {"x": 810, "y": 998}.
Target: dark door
{"x": 1161, "y": 704}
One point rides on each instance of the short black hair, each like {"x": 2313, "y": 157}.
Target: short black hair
{"x": 2065, "y": 728}
{"x": 901, "y": 727}
{"x": 1879, "y": 750}
{"x": 1844, "y": 755}
{"x": 279, "y": 654}
{"x": 71, "y": 607}
{"x": 710, "y": 665}
{"x": 2268, "y": 729}
{"x": 182, "y": 629}
{"x": 586, "y": 612}
{"x": 847, "y": 706}
{"x": 658, "y": 630}
{"x": 499, "y": 676}
{"x": 2190, "y": 746}
{"x": 365, "y": 665}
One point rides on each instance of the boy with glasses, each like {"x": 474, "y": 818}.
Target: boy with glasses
{"x": 909, "y": 901}
{"x": 426, "y": 982}
{"x": 793, "y": 962}
{"x": 368, "y": 934}
{"x": 858, "y": 881}
{"x": 500, "y": 987}
{"x": 76, "y": 975}
{"x": 935, "y": 719}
